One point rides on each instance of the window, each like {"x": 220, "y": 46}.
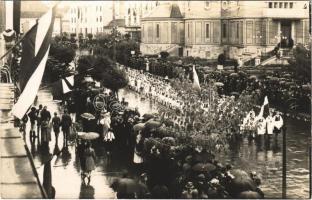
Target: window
{"x": 188, "y": 30}
{"x": 291, "y": 5}
{"x": 281, "y": 5}
{"x": 100, "y": 8}
{"x": 270, "y": 4}
{"x": 207, "y": 4}
{"x": 237, "y": 30}
{"x": 189, "y": 4}
{"x": 207, "y": 31}
{"x": 275, "y": 4}
{"x": 97, "y": 20}
{"x": 286, "y": 5}
{"x": 157, "y": 30}
{"x": 224, "y": 30}
{"x": 100, "y": 18}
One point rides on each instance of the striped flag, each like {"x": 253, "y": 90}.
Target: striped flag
{"x": 35, "y": 51}
{"x": 195, "y": 79}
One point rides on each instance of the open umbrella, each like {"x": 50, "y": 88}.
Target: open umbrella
{"x": 204, "y": 167}
{"x": 252, "y": 77}
{"x": 152, "y": 124}
{"x": 306, "y": 87}
{"x": 88, "y": 135}
{"x": 88, "y": 116}
{"x": 234, "y": 74}
{"x": 287, "y": 75}
{"x": 249, "y": 195}
{"x": 219, "y": 84}
{"x": 138, "y": 127}
{"x": 241, "y": 182}
{"x": 235, "y": 93}
{"x": 148, "y": 116}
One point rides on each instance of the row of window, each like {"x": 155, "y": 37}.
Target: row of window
{"x": 98, "y": 19}
{"x": 281, "y": 5}
{"x": 97, "y": 8}
{"x": 207, "y": 30}
{"x": 101, "y": 29}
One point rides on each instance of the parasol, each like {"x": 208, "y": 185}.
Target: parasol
{"x": 88, "y": 135}
{"x": 201, "y": 167}
{"x": 252, "y": 77}
{"x": 87, "y": 116}
{"x": 234, "y": 74}
{"x": 287, "y": 75}
{"x": 138, "y": 127}
{"x": 235, "y": 93}
{"x": 306, "y": 87}
{"x": 152, "y": 124}
{"x": 126, "y": 185}
{"x": 249, "y": 195}
{"x": 148, "y": 116}
{"x": 241, "y": 182}
{"x": 218, "y": 84}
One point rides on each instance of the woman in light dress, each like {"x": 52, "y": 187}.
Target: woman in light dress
{"x": 90, "y": 159}
{"x": 107, "y": 135}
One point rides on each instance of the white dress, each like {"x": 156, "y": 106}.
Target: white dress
{"x": 261, "y": 126}
{"x": 270, "y": 125}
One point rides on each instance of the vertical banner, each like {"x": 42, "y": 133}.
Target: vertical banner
{"x": 16, "y": 16}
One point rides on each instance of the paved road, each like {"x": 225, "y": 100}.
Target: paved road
{"x": 267, "y": 162}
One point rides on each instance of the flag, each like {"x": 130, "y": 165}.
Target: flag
{"x": 12, "y": 15}
{"x": 67, "y": 84}
{"x": 35, "y": 50}
{"x": 264, "y": 111}
{"x": 195, "y": 79}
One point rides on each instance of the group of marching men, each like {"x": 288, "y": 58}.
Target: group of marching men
{"x": 258, "y": 126}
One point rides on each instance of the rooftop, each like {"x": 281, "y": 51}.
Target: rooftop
{"x": 165, "y": 11}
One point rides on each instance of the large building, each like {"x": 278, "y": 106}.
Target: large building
{"x": 238, "y": 28}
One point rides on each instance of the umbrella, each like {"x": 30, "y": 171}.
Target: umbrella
{"x": 126, "y": 185}
{"x": 241, "y": 182}
{"x": 148, "y": 116}
{"x": 152, "y": 124}
{"x": 235, "y": 93}
{"x": 201, "y": 167}
{"x": 252, "y": 77}
{"x": 287, "y": 75}
{"x": 87, "y": 116}
{"x": 88, "y": 135}
{"x": 218, "y": 84}
{"x": 249, "y": 195}
{"x": 306, "y": 87}
{"x": 234, "y": 74}
{"x": 138, "y": 127}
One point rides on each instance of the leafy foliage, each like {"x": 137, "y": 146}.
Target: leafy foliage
{"x": 302, "y": 62}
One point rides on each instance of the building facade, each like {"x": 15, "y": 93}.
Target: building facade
{"x": 163, "y": 30}
{"x": 241, "y": 29}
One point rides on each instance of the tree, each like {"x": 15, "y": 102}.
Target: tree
{"x": 60, "y": 55}
{"x": 302, "y": 62}
{"x": 101, "y": 68}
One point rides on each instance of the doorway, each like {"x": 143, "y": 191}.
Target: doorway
{"x": 285, "y": 33}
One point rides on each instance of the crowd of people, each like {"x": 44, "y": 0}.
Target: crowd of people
{"x": 282, "y": 89}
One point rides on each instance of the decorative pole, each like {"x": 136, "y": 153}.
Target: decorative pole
{"x": 284, "y": 174}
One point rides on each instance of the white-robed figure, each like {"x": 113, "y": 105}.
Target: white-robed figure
{"x": 106, "y": 121}
{"x": 261, "y": 126}
{"x": 278, "y": 124}
{"x": 270, "y": 124}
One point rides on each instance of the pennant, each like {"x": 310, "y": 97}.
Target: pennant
{"x": 195, "y": 79}
{"x": 68, "y": 84}
{"x": 264, "y": 111}
{"x": 35, "y": 50}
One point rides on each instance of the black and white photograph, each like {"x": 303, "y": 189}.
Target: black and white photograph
{"x": 155, "y": 99}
